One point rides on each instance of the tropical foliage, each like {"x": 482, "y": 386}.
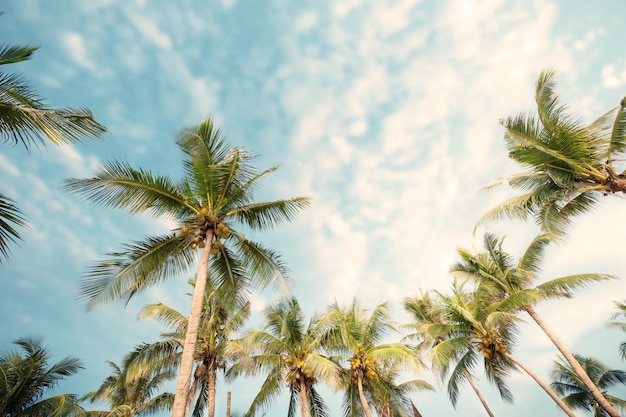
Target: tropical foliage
{"x": 576, "y": 395}
{"x": 25, "y": 119}
{"x": 372, "y": 365}
{"x": 208, "y": 203}
{"x": 289, "y": 352}
{"x": 568, "y": 165}
{"x": 132, "y": 390}
{"x": 222, "y": 317}
{"x": 511, "y": 286}
{"x": 26, "y": 377}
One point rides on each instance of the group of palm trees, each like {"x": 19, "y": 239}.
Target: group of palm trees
{"x": 357, "y": 351}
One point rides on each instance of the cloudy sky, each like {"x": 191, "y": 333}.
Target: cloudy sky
{"x": 385, "y": 112}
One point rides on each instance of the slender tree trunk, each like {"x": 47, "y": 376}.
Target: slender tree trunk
{"x": 580, "y": 371}
{"x": 364, "y": 404}
{"x": 478, "y": 393}
{"x": 305, "y": 411}
{"x": 542, "y": 384}
{"x": 197, "y": 301}
{"x": 211, "y": 399}
{"x": 190, "y": 396}
{"x": 228, "y": 405}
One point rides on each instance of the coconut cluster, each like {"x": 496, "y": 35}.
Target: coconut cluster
{"x": 194, "y": 234}
{"x": 491, "y": 346}
{"x": 364, "y": 365}
{"x": 298, "y": 370}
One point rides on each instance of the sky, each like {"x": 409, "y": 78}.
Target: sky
{"x": 385, "y": 113}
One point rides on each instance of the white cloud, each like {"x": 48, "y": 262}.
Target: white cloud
{"x": 612, "y": 77}
{"x": 151, "y": 32}
{"x": 77, "y": 50}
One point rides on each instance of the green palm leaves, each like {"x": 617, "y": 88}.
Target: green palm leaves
{"x": 25, "y": 119}
{"x": 568, "y": 165}
{"x": 215, "y": 194}
{"x": 26, "y": 377}
{"x": 288, "y": 351}
{"x": 213, "y": 198}
{"x": 358, "y": 336}
{"x": 574, "y": 392}
{"x": 132, "y": 391}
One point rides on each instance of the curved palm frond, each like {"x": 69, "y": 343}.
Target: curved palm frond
{"x": 140, "y": 266}
{"x": 10, "y": 218}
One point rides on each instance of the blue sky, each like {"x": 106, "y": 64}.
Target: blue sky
{"x": 386, "y": 113}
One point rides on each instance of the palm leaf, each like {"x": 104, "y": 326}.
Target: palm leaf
{"x": 139, "y": 266}
{"x": 119, "y": 185}
{"x": 11, "y": 54}
{"x": 10, "y": 217}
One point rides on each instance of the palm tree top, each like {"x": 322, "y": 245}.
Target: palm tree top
{"x": 214, "y": 197}
{"x": 568, "y": 165}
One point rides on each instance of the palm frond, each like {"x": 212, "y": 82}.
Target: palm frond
{"x": 261, "y": 216}
{"x": 25, "y": 119}
{"x": 10, "y": 218}
{"x": 563, "y": 286}
{"x": 11, "y": 54}
{"x": 119, "y": 185}
{"x": 617, "y": 143}
{"x": 139, "y": 266}
{"x": 266, "y": 265}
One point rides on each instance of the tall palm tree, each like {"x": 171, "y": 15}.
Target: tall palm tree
{"x": 511, "y": 286}
{"x": 132, "y": 393}
{"x": 574, "y": 392}
{"x": 26, "y": 377}
{"x": 484, "y": 330}
{"x": 26, "y": 119}
{"x": 568, "y": 165}
{"x": 621, "y": 325}
{"x": 289, "y": 351}
{"x": 222, "y": 317}
{"x": 430, "y": 326}
{"x": 357, "y": 335}
{"x": 215, "y": 195}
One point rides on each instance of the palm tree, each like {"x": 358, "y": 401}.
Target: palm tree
{"x": 430, "y": 327}
{"x": 357, "y": 336}
{"x": 484, "y": 330}
{"x": 288, "y": 350}
{"x": 214, "y": 196}
{"x": 25, "y": 119}
{"x": 222, "y": 317}
{"x": 510, "y": 285}
{"x": 25, "y": 378}
{"x": 569, "y": 166}
{"x": 621, "y": 325}
{"x": 574, "y": 392}
{"x": 132, "y": 390}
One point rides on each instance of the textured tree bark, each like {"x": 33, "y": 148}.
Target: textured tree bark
{"x": 604, "y": 403}
{"x": 211, "y": 400}
{"x": 364, "y": 404}
{"x": 228, "y": 405}
{"x": 478, "y": 393}
{"x": 542, "y": 384}
{"x": 304, "y": 400}
{"x": 186, "y": 363}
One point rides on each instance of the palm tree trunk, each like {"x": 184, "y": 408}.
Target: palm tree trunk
{"x": 305, "y": 411}
{"x": 542, "y": 384}
{"x": 364, "y": 404}
{"x": 186, "y": 362}
{"x": 604, "y": 403}
{"x": 228, "y": 405}
{"x": 211, "y": 399}
{"x": 478, "y": 393}
{"x": 192, "y": 393}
